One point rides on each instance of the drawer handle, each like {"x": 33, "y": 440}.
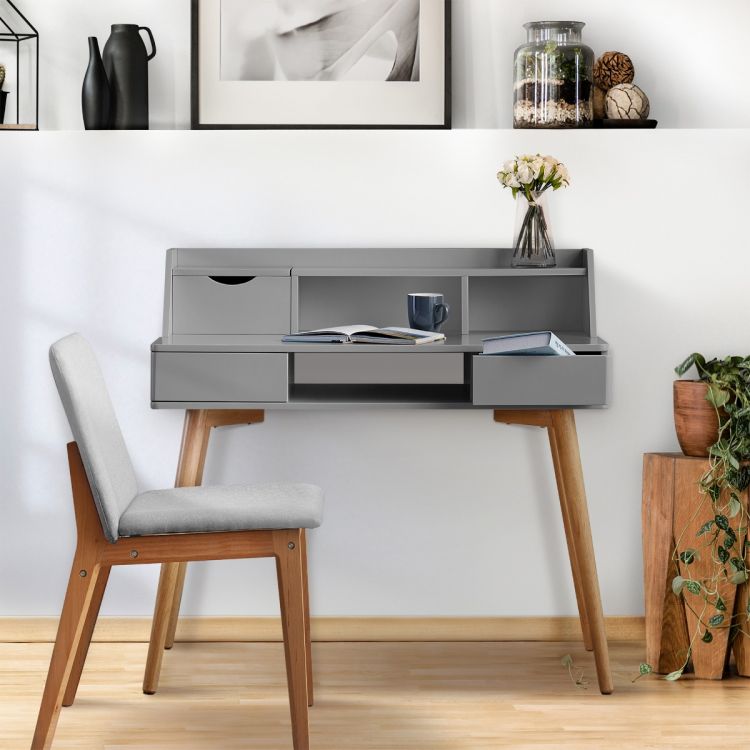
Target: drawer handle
{"x": 232, "y": 280}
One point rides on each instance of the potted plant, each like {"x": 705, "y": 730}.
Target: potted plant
{"x": 712, "y": 415}
{"x": 3, "y": 95}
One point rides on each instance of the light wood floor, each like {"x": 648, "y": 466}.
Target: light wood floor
{"x": 379, "y": 696}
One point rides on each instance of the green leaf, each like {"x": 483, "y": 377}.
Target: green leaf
{"x": 705, "y": 528}
{"x": 672, "y": 676}
{"x": 722, "y": 522}
{"x": 739, "y": 577}
{"x": 720, "y": 604}
{"x": 734, "y": 506}
{"x": 677, "y": 583}
{"x": 645, "y": 668}
{"x": 688, "y": 556}
{"x": 693, "y": 359}
{"x": 567, "y": 660}
{"x": 716, "y": 620}
{"x": 707, "y": 637}
{"x": 693, "y": 587}
{"x": 716, "y": 395}
{"x": 722, "y": 554}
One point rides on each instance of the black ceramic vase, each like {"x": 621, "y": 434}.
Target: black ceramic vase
{"x": 95, "y": 98}
{"x": 3, "y": 100}
{"x": 126, "y": 64}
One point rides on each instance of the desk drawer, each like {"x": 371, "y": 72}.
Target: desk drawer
{"x": 230, "y": 377}
{"x": 257, "y": 304}
{"x": 379, "y": 368}
{"x": 540, "y": 381}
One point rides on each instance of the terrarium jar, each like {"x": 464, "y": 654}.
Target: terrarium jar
{"x": 553, "y": 77}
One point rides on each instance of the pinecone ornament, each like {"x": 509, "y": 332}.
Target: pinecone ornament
{"x": 613, "y": 68}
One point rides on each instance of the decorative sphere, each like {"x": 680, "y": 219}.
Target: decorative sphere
{"x": 613, "y": 68}
{"x": 626, "y": 102}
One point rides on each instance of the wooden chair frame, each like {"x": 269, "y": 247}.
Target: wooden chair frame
{"x": 95, "y": 556}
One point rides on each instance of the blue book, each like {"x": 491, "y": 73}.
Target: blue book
{"x": 538, "y": 343}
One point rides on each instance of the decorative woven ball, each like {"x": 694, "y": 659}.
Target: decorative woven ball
{"x": 626, "y": 102}
{"x": 2, "y": 75}
{"x": 613, "y": 68}
{"x": 598, "y": 99}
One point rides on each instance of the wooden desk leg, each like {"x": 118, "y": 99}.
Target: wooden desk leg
{"x": 306, "y": 601}
{"x": 192, "y": 459}
{"x": 563, "y": 427}
{"x": 572, "y": 551}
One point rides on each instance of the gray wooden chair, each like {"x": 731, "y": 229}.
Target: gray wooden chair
{"x": 118, "y": 525}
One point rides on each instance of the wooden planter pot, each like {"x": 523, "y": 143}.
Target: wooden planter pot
{"x": 673, "y": 511}
{"x": 695, "y": 419}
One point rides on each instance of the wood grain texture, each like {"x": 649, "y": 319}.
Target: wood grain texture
{"x": 372, "y": 696}
{"x": 566, "y": 439}
{"x": 666, "y": 630}
{"x": 691, "y": 510}
{"x": 570, "y": 539}
{"x": 332, "y": 629}
{"x": 741, "y": 643}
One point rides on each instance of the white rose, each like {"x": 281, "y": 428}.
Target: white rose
{"x": 525, "y": 173}
{"x": 509, "y": 166}
{"x": 511, "y": 181}
{"x": 538, "y": 165}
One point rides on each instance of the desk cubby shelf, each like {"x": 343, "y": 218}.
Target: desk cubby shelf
{"x": 226, "y": 311}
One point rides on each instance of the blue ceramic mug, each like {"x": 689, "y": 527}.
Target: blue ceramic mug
{"x": 427, "y": 311}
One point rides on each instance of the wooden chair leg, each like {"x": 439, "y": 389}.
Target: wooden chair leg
{"x": 195, "y": 435}
{"x": 565, "y": 436}
{"x": 164, "y": 598}
{"x": 88, "y": 631}
{"x": 288, "y": 548}
{"x": 308, "y": 637}
{"x": 79, "y": 599}
{"x": 572, "y": 551}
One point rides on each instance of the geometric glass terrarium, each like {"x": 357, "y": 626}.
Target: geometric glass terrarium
{"x": 19, "y": 61}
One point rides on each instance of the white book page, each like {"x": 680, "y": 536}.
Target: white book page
{"x": 337, "y": 330}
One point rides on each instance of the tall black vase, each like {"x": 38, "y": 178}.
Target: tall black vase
{"x": 126, "y": 62}
{"x": 3, "y": 100}
{"x": 95, "y": 98}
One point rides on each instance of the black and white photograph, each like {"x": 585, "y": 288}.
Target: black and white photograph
{"x": 320, "y": 40}
{"x": 321, "y": 63}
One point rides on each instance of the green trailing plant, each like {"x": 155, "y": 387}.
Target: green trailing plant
{"x": 728, "y": 474}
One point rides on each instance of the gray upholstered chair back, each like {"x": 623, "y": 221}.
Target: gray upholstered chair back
{"x": 94, "y": 425}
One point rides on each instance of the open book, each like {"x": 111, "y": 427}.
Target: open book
{"x": 360, "y": 334}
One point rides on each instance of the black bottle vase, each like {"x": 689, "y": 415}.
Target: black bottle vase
{"x": 95, "y": 98}
{"x": 126, "y": 64}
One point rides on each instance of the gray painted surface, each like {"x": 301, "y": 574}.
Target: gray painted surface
{"x": 378, "y": 367}
{"x": 217, "y": 377}
{"x": 540, "y": 381}
{"x": 202, "y": 305}
{"x": 221, "y": 344}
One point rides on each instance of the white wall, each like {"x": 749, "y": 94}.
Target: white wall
{"x": 86, "y": 218}
{"x": 689, "y": 55}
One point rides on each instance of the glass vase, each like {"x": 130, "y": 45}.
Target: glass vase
{"x": 533, "y": 246}
{"x": 553, "y": 77}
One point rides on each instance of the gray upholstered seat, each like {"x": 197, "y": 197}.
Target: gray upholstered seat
{"x": 124, "y": 511}
{"x": 232, "y": 508}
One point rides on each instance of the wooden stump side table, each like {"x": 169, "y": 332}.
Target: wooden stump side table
{"x": 673, "y": 511}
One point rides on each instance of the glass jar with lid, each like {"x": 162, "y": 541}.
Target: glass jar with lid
{"x": 554, "y": 74}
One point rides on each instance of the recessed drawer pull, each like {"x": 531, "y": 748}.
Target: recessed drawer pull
{"x": 231, "y": 280}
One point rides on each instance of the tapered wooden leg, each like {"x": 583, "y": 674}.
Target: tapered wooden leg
{"x": 192, "y": 459}
{"x": 159, "y": 625}
{"x": 288, "y": 547}
{"x": 563, "y": 424}
{"x": 79, "y": 599}
{"x": 88, "y": 631}
{"x": 308, "y": 638}
{"x": 572, "y": 551}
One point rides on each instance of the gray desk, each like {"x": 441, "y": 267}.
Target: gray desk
{"x": 221, "y": 358}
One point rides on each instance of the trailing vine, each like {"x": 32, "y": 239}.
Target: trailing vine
{"x": 728, "y": 475}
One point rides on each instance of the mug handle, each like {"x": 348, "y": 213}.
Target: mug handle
{"x": 443, "y": 311}
{"x": 153, "y": 43}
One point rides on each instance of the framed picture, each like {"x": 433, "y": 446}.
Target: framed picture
{"x": 320, "y": 64}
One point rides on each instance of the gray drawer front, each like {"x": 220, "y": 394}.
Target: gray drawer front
{"x": 540, "y": 381}
{"x": 201, "y": 305}
{"x": 231, "y": 377}
{"x": 379, "y": 368}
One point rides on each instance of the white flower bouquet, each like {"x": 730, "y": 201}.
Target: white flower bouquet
{"x": 532, "y": 175}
